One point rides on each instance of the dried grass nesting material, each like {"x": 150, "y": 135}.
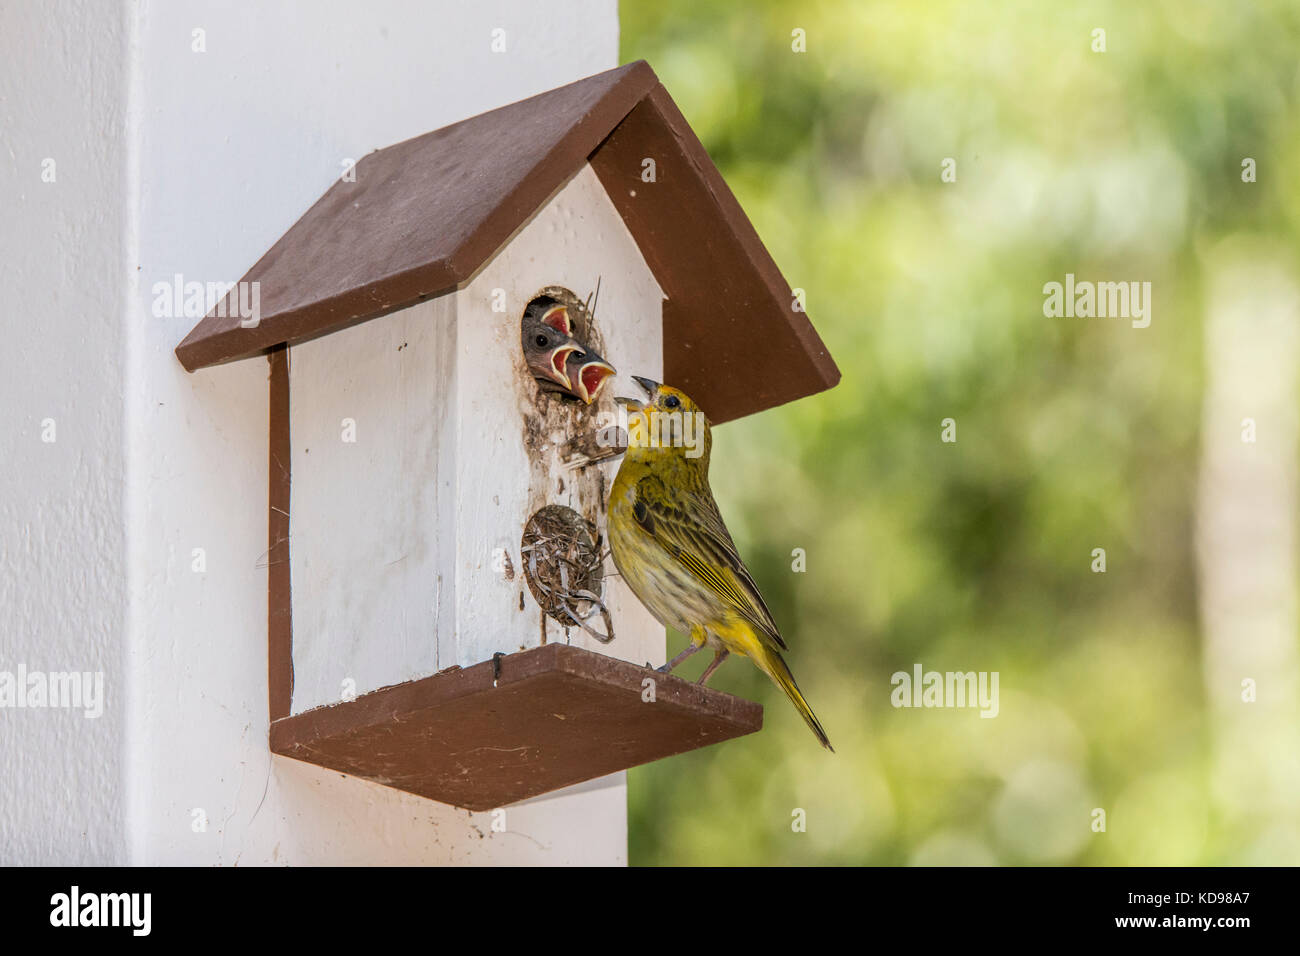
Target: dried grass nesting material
{"x": 563, "y": 564}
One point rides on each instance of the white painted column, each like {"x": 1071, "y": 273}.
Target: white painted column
{"x": 62, "y": 428}
{"x": 194, "y": 135}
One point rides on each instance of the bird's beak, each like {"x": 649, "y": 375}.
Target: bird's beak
{"x": 635, "y": 404}
{"x": 649, "y": 385}
{"x": 558, "y": 357}
{"x": 591, "y": 379}
{"x": 557, "y": 317}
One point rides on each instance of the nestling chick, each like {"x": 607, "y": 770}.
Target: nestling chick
{"x": 547, "y": 352}
{"x": 552, "y": 312}
{"x": 557, "y": 360}
{"x": 587, "y": 375}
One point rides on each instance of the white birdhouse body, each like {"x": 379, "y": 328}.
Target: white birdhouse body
{"x": 417, "y": 467}
{"x": 421, "y": 446}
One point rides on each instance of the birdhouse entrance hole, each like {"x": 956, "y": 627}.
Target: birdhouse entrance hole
{"x": 564, "y": 568}
{"x": 562, "y": 346}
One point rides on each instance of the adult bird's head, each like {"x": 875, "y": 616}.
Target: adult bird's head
{"x": 667, "y": 424}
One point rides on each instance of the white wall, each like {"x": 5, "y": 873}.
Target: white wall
{"x": 62, "y": 539}
{"x": 220, "y": 152}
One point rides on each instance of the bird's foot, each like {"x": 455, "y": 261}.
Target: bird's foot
{"x": 713, "y": 666}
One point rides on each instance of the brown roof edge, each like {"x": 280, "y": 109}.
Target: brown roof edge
{"x": 732, "y": 340}
{"x": 731, "y": 337}
{"x": 754, "y": 248}
{"x": 360, "y": 251}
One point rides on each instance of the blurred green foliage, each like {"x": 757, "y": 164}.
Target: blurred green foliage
{"x": 1072, "y": 433}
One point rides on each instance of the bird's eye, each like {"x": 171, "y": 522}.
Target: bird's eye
{"x": 543, "y": 341}
{"x": 672, "y": 401}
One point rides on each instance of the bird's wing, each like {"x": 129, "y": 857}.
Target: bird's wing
{"x": 687, "y": 525}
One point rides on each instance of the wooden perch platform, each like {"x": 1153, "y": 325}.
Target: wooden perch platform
{"x": 515, "y": 727}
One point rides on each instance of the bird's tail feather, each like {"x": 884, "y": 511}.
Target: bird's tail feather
{"x": 774, "y": 666}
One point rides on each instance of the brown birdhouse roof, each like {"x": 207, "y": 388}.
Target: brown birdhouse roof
{"x": 425, "y": 214}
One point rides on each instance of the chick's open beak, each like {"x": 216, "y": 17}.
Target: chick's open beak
{"x": 558, "y": 357}
{"x": 591, "y": 379}
{"x": 557, "y": 317}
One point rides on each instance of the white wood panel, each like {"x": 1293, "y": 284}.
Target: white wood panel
{"x": 393, "y": 536}
{"x": 575, "y": 239}
{"x": 364, "y": 535}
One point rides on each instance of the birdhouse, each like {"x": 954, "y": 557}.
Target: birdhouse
{"x": 441, "y": 614}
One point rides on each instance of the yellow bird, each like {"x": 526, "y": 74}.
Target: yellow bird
{"x": 672, "y": 548}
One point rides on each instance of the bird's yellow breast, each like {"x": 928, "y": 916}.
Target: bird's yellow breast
{"x": 667, "y": 589}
